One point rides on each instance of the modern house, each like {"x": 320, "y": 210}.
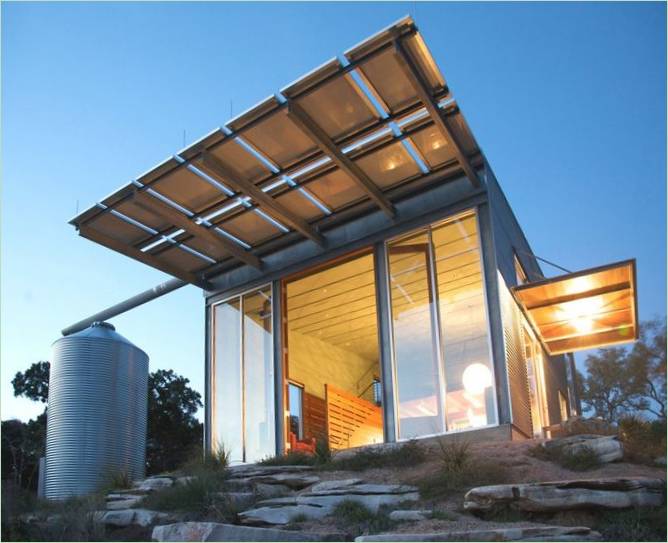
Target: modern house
{"x": 365, "y": 278}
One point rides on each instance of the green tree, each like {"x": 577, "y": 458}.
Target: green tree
{"x": 33, "y": 383}
{"x": 647, "y": 361}
{"x": 173, "y": 431}
{"x": 620, "y": 381}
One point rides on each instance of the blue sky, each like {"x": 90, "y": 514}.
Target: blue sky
{"x": 568, "y": 102}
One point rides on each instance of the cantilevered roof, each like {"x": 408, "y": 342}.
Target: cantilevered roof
{"x": 352, "y": 136}
{"x": 584, "y": 310}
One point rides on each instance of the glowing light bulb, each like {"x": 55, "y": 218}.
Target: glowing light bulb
{"x": 580, "y": 313}
{"x": 476, "y": 378}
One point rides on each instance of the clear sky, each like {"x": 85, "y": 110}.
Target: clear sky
{"x": 567, "y": 101}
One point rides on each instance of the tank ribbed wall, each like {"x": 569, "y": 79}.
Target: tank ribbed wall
{"x": 97, "y": 411}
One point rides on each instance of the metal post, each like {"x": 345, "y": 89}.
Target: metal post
{"x": 279, "y": 389}
{"x": 494, "y": 311}
{"x": 383, "y": 315}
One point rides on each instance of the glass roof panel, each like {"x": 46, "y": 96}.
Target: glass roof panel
{"x": 384, "y": 74}
{"x": 336, "y": 189}
{"x": 188, "y": 190}
{"x": 300, "y": 205}
{"x": 249, "y": 227}
{"x": 433, "y": 146}
{"x": 389, "y": 165}
{"x": 240, "y": 160}
{"x": 339, "y": 107}
{"x": 180, "y": 258}
{"x": 280, "y": 139}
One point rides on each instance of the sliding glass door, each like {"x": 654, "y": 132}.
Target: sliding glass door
{"x": 243, "y": 376}
{"x": 442, "y": 362}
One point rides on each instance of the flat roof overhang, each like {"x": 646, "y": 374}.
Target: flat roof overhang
{"x": 379, "y": 123}
{"x": 584, "y": 310}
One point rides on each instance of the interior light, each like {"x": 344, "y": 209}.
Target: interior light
{"x": 476, "y": 378}
{"x": 437, "y": 144}
{"x": 390, "y": 165}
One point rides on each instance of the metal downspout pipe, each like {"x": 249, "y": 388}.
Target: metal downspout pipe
{"x": 130, "y": 303}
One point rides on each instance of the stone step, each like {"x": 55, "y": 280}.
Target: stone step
{"x": 128, "y": 517}
{"x": 533, "y": 533}
{"x": 213, "y": 531}
{"x": 609, "y": 493}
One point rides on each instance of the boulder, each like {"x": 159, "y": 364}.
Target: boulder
{"x": 607, "y": 448}
{"x": 409, "y": 515}
{"x": 362, "y": 489}
{"x": 213, "y": 531}
{"x": 127, "y": 517}
{"x": 283, "y": 514}
{"x": 555, "y": 496}
{"x": 334, "y": 484}
{"x": 154, "y": 483}
{"x": 533, "y": 533}
{"x": 264, "y": 490}
{"x": 318, "y": 504}
{"x": 127, "y": 501}
{"x": 295, "y": 481}
{"x": 370, "y": 501}
{"x": 256, "y": 470}
{"x": 238, "y": 500}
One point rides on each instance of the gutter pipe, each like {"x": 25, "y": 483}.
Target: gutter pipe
{"x": 130, "y": 303}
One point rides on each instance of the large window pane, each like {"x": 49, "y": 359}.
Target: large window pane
{"x": 418, "y": 374}
{"x": 258, "y": 376}
{"x": 470, "y": 397}
{"x": 332, "y": 356}
{"x": 227, "y": 412}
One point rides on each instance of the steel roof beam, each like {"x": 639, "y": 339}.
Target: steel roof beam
{"x": 144, "y": 258}
{"x": 422, "y": 89}
{"x": 217, "y": 169}
{"x": 302, "y": 119}
{"x": 168, "y": 213}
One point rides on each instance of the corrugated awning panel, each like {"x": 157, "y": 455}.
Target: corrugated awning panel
{"x": 584, "y": 310}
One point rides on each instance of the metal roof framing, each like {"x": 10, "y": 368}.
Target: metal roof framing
{"x": 346, "y": 146}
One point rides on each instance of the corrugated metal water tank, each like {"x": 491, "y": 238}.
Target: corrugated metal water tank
{"x": 96, "y": 426}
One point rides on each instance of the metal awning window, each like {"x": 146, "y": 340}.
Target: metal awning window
{"x": 350, "y": 131}
{"x": 584, "y": 310}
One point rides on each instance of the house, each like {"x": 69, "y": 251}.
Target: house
{"x": 365, "y": 279}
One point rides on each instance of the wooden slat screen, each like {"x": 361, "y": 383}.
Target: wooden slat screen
{"x": 351, "y": 421}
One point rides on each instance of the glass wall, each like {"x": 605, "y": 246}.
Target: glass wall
{"x": 333, "y": 361}
{"x": 243, "y": 377}
{"x": 443, "y": 367}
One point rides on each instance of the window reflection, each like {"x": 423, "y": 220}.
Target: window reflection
{"x": 439, "y": 318}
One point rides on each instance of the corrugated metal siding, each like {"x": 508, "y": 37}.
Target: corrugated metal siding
{"x": 515, "y": 364}
{"x": 555, "y": 381}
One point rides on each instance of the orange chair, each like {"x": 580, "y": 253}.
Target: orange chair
{"x": 305, "y": 445}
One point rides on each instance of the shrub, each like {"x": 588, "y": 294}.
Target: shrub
{"x": 355, "y": 519}
{"x": 119, "y": 480}
{"x": 643, "y": 440}
{"x": 204, "y": 493}
{"x": 323, "y": 454}
{"x": 292, "y": 458}
{"x": 584, "y": 459}
{"x": 459, "y": 470}
{"x": 641, "y": 524}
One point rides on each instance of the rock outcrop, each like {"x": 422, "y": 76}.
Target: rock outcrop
{"x": 566, "y": 495}
{"x": 606, "y": 448}
{"x": 533, "y": 533}
{"x": 213, "y": 531}
{"x": 320, "y": 500}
